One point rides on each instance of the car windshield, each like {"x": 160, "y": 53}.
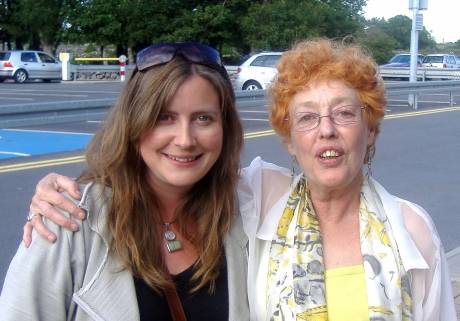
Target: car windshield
{"x": 433, "y": 59}
{"x": 400, "y": 59}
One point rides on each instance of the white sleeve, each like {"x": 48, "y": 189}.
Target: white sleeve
{"x": 39, "y": 283}
{"x": 432, "y": 288}
{"x": 261, "y": 186}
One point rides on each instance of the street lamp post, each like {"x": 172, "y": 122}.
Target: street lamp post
{"x": 417, "y": 25}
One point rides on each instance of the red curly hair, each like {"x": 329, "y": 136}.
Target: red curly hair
{"x": 323, "y": 59}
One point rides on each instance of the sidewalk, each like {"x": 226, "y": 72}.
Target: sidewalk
{"x": 453, "y": 260}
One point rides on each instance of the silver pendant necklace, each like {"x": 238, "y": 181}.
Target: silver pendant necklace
{"x": 172, "y": 244}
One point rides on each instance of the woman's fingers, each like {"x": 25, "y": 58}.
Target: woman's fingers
{"x": 54, "y": 214}
{"x": 48, "y": 201}
{"x": 40, "y": 227}
{"x": 27, "y": 234}
{"x": 48, "y": 194}
{"x": 65, "y": 184}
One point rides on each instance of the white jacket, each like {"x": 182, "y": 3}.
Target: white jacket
{"x": 263, "y": 193}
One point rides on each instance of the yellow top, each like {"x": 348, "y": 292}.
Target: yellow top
{"x": 346, "y": 294}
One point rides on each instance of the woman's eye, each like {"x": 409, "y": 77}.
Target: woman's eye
{"x": 163, "y": 118}
{"x": 308, "y": 117}
{"x": 204, "y": 118}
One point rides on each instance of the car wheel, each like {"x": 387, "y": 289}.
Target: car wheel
{"x": 252, "y": 85}
{"x": 2, "y": 79}
{"x": 20, "y": 76}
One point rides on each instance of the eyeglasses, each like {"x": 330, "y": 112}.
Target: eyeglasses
{"x": 342, "y": 116}
{"x": 162, "y": 53}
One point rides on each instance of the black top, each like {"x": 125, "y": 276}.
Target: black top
{"x": 199, "y": 306}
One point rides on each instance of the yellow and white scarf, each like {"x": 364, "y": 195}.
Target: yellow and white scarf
{"x": 296, "y": 288}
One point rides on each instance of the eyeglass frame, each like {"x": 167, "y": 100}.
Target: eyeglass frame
{"x": 330, "y": 116}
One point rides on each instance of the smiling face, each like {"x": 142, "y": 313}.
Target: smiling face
{"x": 186, "y": 140}
{"x": 330, "y": 155}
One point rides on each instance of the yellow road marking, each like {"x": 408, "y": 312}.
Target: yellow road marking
{"x": 263, "y": 133}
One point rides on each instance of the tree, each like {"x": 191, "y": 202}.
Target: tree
{"x": 287, "y": 21}
{"x": 379, "y": 43}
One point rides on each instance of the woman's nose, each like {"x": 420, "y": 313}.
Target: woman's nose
{"x": 184, "y": 136}
{"x": 327, "y": 128}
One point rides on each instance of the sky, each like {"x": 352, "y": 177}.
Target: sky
{"x": 442, "y": 18}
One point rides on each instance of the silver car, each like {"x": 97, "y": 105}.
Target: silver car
{"x": 21, "y": 65}
{"x": 440, "y": 61}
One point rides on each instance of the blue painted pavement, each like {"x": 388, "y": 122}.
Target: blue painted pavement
{"x": 23, "y": 143}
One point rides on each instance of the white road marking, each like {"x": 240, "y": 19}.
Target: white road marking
{"x": 47, "y": 131}
{"x": 53, "y": 91}
{"x": 13, "y": 153}
{"x": 14, "y": 98}
{"x": 55, "y": 95}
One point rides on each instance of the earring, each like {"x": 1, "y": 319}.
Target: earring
{"x": 293, "y": 166}
{"x": 369, "y": 157}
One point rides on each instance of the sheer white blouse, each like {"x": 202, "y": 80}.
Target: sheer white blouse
{"x": 263, "y": 191}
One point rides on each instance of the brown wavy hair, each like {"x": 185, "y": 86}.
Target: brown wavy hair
{"x": 114, "y": 161}
{"x": 323, "y": 59}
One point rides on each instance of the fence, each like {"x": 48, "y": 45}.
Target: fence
{"x": 423, "y": 73}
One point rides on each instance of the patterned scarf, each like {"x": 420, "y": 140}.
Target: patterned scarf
{"x": 296, "y": 269}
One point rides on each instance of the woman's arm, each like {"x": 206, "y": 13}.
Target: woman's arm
{"x": 48, "y": 195}
{"x": 432, "y": 288}
{"x": 41, "y": 280}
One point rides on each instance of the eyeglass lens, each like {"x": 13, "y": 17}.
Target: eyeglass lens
{"x": 162, "y": 53}
{"x": 344, "y": 115}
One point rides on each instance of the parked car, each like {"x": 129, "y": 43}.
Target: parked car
{"x": 457, "y": 59}
{"x": 257, "y": 72}
{"x": 439, "y": 61}
{"x": 21, "y": 65}
{"x": 402, "y": 60}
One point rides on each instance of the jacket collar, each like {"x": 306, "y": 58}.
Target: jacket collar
{"x": 111, "y": 294}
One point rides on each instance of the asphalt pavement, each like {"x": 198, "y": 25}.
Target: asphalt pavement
{"x": 417, "y": 159}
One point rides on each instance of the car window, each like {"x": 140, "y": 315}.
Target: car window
{"x": 450, "y": 60}
{"x": 46, "y": 58}
{"x": 28, "y": 57}
{"x": 400, "y": 59}
{"x": 5, "y": 55}
{"x": 259, "y": 61}
{"x": 433, "y": 59}
{"x": 271, "y": 60}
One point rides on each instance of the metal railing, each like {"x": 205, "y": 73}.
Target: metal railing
{"x": 414, "y": 89}
{"x": 423, "y": 73}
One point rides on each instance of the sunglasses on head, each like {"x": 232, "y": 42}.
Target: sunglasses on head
{"x": 162, "y": 53}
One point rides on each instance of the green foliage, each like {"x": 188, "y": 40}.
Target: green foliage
{"x": 384, "y": 38}
{"x": 379, "y": 43}
{"x": 35, "y": 22}
{"x": 278, "y": 24}
{"x": 235, "y": 27}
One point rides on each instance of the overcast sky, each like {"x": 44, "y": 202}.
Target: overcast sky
{"x": 442, "y": 18}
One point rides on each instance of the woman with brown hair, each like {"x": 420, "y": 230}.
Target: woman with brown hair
{"x": 159, "y": 194}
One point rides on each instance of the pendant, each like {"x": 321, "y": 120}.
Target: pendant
{"x": 172, "y": 244}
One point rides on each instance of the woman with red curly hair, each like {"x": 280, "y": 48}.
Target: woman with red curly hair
{"x": 332, "y": 243}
